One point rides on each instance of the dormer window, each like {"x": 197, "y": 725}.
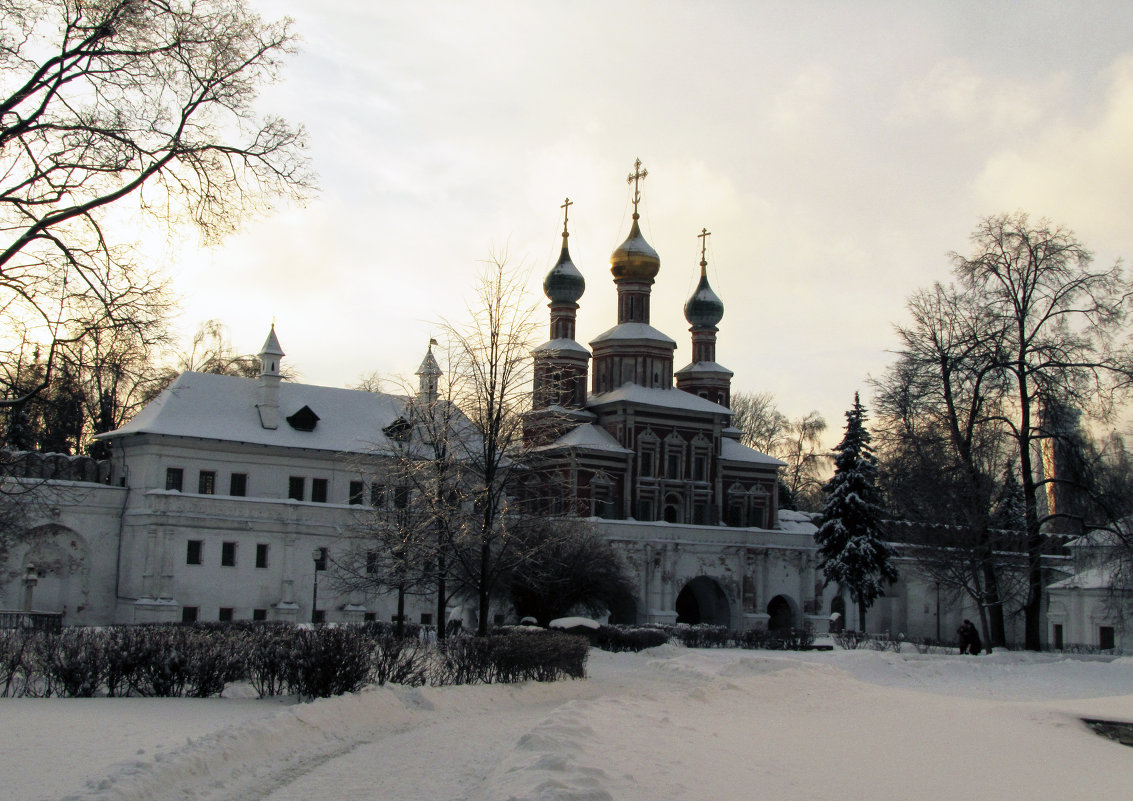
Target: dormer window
{"x": 399, "y": 430}
{"x": 303, "y": 420}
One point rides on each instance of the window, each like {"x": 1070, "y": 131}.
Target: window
{"x": 400, "y": 497}
{"x": 1058, "y": 638}
{"x": 378, "y": 496}
{"x": 174, "y": 478}
{"x": 295, "y": 488}
{"x": 206, "y": 482}
{"x": 228, "y": 554}
{"x": 371, "y": 562}
{"x": 261, "y": 554}
{"x": 647, "y": 464}
{"x": 499, "y": 620}
{"x": 319, "y": 616}
{"x": 259, "y": 614}
{"x": 355, "y": 493}
{"x": 193, "y": 552}
{"x": 189, "y": 614}
{"x": 699, "y": 468}
{"x": 426, "y": 619}
{"x": 238, "y": 485}
{"x": 318, "y": 490}
{"x": 369, "y": 617}
{"x": 1106, "y": 639}
{"x": 673, "y": 465}
{"x": 225, "y": 615}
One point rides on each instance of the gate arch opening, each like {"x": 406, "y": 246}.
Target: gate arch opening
{"x": 702, "y": 600}
{"x": 782, "y": 613}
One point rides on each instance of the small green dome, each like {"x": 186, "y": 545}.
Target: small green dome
{"x": 704, "y": 309}
{"x": 564, "y": 283}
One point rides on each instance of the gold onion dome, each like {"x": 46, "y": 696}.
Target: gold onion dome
{"x": 635, "y": 259}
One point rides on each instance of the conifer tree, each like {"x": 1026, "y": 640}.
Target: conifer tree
{"x": 851, "y": 549}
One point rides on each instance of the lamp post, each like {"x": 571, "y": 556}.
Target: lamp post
{"x": 31, "y": 578}
{"x": 318, "y": 555}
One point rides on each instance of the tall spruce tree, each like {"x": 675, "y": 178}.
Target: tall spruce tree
{"x": 851, "y": 547}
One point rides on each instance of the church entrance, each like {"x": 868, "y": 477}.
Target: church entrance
{"x": 703, "y": 601}
{"x": 781, "y": 613}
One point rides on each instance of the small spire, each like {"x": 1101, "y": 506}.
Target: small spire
{"x": 635, "y": 178}
{"x": 703, "y": 236}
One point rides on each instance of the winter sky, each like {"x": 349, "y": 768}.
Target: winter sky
{"x": 836, "y": 151}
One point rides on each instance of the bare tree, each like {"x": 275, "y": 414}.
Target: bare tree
{"x": 764, "y": 427}
{"x": 807, "y": 461}
{"x": 142, "y": 100}
{"x": 491, "y": 385}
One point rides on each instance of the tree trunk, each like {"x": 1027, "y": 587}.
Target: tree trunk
{"x": 861, "y": 615}
{"x": 442, "y": 600}
{"x": 484, "y": 595}
{"x": 401, "y": 610}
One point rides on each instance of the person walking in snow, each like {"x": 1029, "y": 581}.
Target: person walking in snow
{"x": 969, "y": 638}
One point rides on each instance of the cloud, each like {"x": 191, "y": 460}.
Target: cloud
{"x": 1078, "y": 171}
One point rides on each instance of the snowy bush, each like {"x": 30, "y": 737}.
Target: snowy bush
{"x": 512, "y": 657}
{"x": 399, "y": 660}
{"x": 618, "y": 639}
{"x": 328, "y": 661}
{"x": 267, "y": 658}
{"x": 75, "y": 662}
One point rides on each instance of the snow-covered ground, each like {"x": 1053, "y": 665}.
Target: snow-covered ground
{"x": 670, "y": 723}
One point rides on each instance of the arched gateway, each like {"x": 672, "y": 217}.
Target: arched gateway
{"x": 702, "y": 600}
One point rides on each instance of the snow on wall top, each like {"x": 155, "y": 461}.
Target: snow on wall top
{"x": 732, "y": 451}
{"x": 660, "y": 398}
{"x": 222, "y": 407}
{"x": 633, "y": 331}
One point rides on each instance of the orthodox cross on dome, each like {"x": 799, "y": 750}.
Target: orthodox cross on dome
{"x": 703, "y": 237}
{"x": 635, "y": 179}
{"x": 566, "y": 213}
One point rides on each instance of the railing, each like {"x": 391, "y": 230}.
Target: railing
{"x": 37, "y": 621}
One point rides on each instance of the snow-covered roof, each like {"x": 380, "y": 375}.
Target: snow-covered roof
{"x": 633, "y": 331}
{"x": 732, "y": 451}
{"x": 660, "y": 398}
{"x": 220, "y": 407}
{"x": 705, "y": 367}
{"x": 1094, "y": 578}
{"x": 561, "y": 344}
{"x": 589, "y": 437}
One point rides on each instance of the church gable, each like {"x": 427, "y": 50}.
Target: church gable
{"x": 304, "y": 420}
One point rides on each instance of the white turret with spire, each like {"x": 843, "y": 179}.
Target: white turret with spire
{"x": 429, "y": 374}
{"x": 270, "y": 356}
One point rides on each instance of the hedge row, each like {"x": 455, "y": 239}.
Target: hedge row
{"x": 276, "y": 659}
{"x": 615, "y": 638}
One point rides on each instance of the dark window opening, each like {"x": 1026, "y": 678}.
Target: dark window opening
{"x": 400, "y": 497}
{"x": 355, "y": 493}
{"x": 318, "y": 490}
{"x": 295, "y": 487}
{"x": 261, "y": 554}
{"x": 1058, "y": 639}
{"x": 369, "y": 617}
{"x": 1106, "y": 639}
{"x": 228, "y": 554}
{"x": 189, "y": 614}
{"x": 193, "y": 552}
{"x": 426, "y": 619}
{"x": 238, "y": 485}
{"x": 499, "y": 620}
{"x": 371, "y": 562}
{"x": 399, "y": 430}
{"x": 319, "y": 616}
{"x": 206, "y": 482}
{"x": 646, "y": 465}
{"x": 174, "y": 478}
{"x": 673, "y": 468}
{"x": 259, "y": 614}
{"x": 225, "y": 615}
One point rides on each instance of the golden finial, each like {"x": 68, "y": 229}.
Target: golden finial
{"x": 703, "y": 237}
{"x": 566, "y": 213}
{"x": 635, "y": 178}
